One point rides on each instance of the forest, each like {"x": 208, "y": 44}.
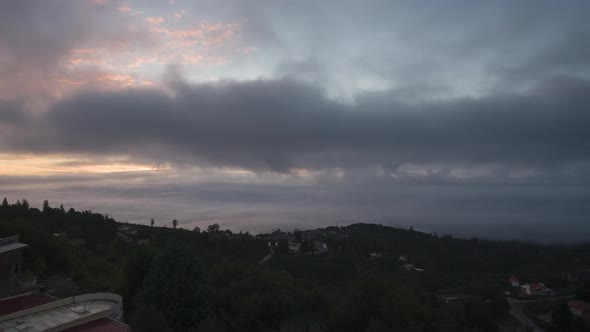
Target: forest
{"x": 360, "y": 277}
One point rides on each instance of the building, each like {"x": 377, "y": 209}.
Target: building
{"x": 10, "y": 257}
{"x": 23, "y": 308}
{"x": 319, "y": 247}
{"x": 375, "y": 255}
{"x": 12, "y": 279}
{"x": 36, "y": 312}
{"x": 514, "y": 281}
{"x": 294, "y": 247}
{"x": 579, "y": 308}
{"x": 535, "y": 288}
{"x": 408, "y": 267}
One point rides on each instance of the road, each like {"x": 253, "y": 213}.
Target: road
{"x": 516, "y": 312}
{"x": 267, "y": 257}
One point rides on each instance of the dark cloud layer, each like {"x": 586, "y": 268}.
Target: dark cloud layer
{"x": 281, "y": 125}
{"x": 464, "y": 117}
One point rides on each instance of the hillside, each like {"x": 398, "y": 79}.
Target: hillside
{"x": 361, "y": 277}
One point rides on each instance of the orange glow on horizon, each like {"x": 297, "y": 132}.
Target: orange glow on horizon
{"x": 31, "y": 165}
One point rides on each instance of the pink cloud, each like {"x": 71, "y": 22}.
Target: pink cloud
{"x": 206, "y": 34}
{"x": 124, "y": 9}
{"x": 192, "y": 59}
{"x": 140, "y": 61}
{"x": 123, "y": 80}
{"x": 178, "y": 33}
{"x": 181, "y": 14}
{"x": 157, "y": 20}
{"x": 70, "y": 82}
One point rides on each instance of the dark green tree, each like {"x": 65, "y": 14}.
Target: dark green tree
{"x": 283, "y": 246}
{"x": 214, "y": 228}
{"x": 4, "y": 203}
{"x": 297, "y": 236}
{"x": 305, "y": 246}
{"x": 25, "y": 205}
{"x": 175, "y": 287}
{"x": 174, "y": 223}
{"x": 136, "y": 270}
{"x": 499, "y": 306}
{"x": 152, "y": 222}
{"x": 562, "y": 317}
{"x": 46, "y": 208}
{"x": 148, "y": 319}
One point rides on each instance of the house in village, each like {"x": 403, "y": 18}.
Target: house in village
{"x": 513, "y": 282}
{"x": 10, "y": 257}
{"x": 580, "y": 309}
{"x": 294, "y": 247}
{"x": 407, "y": 267}
{"x": 535, "y": 288}
{"x": 375, "y": 254}
{"x": 319, "y": 247}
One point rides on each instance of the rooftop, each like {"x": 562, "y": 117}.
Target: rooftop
{"x": 19, "y": 303}
{"x": 580, "y": 306}
{"x": 11, "y": 243}
{"x": 63, "y": 314}
{"x": 100, "y": 325}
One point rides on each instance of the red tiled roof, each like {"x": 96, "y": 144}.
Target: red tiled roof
{"x": 100, "y": 325}
{"x": 9, "y": 306}
{"x": 511, "y": 279}
{"x": 537, "y": 285}
{"x": 580, "y": 306}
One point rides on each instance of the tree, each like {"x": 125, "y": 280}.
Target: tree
{"x": 283, "y": 246}
{"x": 499, "y": 306}
{"x": 4, "y": 203}
{"x": 25, "y": 205}
{"x": 152, "y": 222}
{"x": 297, "y": 236}
{"x": 562, "y": 317}
{"x": 46, "y": 207}
{"x": 175, "y": 287}
{"x": 174, "y": 223}
{"x": 61, "y": 209}
{"x": 213, "y": 228}
{"x": 150, "y": 320}
{"x": 197, "y": 229}
{"x": 305, "y": 246}
{"x": 136, "y": 269}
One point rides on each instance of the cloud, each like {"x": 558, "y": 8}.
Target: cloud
{"x": 281, "y": 125}
{"x": 480, "y": 100}
{"x": 39, "y": 41}
{"x": 180, "y": 14}
{"x": 156, "y": 20}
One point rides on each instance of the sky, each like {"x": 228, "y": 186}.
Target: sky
{"x": 461, "y": 117}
